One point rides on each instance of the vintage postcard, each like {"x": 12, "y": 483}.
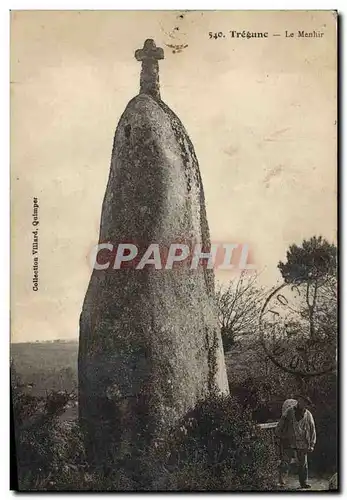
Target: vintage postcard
{"x": 174, "y": 250}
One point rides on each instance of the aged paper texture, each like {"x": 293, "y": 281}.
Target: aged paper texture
{"x": 229, "y": 140}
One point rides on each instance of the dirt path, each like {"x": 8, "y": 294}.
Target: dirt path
{"x": 317, "y": 484}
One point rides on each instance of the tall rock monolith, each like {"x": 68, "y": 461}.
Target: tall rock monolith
{"x": 150, "y": 345}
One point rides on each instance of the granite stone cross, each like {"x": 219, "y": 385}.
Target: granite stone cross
{"x": 149, "y": 55}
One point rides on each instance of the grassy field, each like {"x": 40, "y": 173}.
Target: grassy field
{"x": 45, "y": 355}
{"x": 46, "y": 365}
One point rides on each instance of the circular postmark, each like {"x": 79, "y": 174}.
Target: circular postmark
{"x": 293, "y": 333}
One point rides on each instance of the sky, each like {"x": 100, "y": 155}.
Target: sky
{"x": 261, "y": 114}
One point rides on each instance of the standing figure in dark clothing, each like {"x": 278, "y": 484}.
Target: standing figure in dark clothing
{"x": 296, "y": 432}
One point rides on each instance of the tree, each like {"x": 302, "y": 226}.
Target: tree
{"x": 304, "y": 323}
{"x": 314, "y": 265}
{"x": 314, "y": 260}
{"x": 239, "y": 304}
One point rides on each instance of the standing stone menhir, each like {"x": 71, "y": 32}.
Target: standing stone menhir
{"x": 150, "y": 346}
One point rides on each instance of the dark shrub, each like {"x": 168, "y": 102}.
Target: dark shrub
{"x": 47, "y": 449}
{"x": 323, "y": 392}
{"x": 217, "y": 447}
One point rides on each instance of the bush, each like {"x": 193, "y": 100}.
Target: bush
{"x": 217, "y": 447}
{"x": 46, "y": 447}
{"x": 323, "y": 393}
